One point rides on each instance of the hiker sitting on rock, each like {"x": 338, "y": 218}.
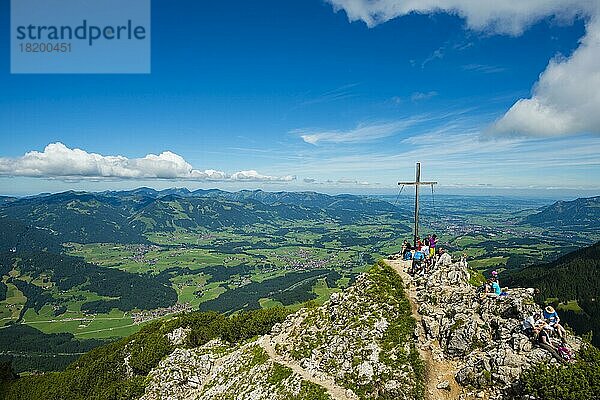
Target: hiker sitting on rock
{"x": 496, "y": 291}
{"x": 553, "y": 319}
{"x": 529, "y": 324}
{"x": 546, "y": 343}
{"x": 491, "y": 289}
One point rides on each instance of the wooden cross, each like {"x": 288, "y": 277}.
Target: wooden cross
{"x": 416, "y": 184}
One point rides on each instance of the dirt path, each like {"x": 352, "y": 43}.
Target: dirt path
{"x": 436, "y": 371}
{"x": 337, "y": 392}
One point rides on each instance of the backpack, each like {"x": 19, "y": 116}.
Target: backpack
{"x": 565, "y": 353}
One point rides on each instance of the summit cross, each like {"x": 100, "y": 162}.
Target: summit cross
{"x": 416, "y": 184}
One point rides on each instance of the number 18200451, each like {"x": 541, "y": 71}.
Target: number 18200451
{"x": 36, "y": 47}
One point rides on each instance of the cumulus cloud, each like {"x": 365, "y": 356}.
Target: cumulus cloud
{"x": 565, "y": 99}
{"x": 362, "y": 133}
{"x": 60, "y": 161}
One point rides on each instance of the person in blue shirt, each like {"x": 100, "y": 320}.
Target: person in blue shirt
{"x": 496, "y": 288}
{"x": 491, "y": 289}
{"x": 406, "y": 251}
{"x": 551, "y": 316}
{"x": 418, "y": 262}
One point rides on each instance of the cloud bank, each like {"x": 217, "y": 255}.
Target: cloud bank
{"x": 59, "y": 161}
{"x": 565, "y": 99}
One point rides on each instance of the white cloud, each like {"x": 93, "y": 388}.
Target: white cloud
{"x": 346, "y": 181}
{"x": 59, "y": 161}
{"x": 566, "y": 98}
{"x": 252, "y": 175}
{"x": 417, "y": 96}
{"x": 507, "y": 16}
{"x": 564, "y": 101}
{"x": 340, "y": 93}
{"x": 437, "y": 54}
{"x": 362, "y": 133}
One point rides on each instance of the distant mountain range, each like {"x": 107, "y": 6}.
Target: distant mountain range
{"x": 583, "y": 213}
{"x": 125, "y": 216}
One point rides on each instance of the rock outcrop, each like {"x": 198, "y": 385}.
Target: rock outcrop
{"x": 220, "y": 371}
{"x": 361, "y": 337}
{"x": 483, "y": 337}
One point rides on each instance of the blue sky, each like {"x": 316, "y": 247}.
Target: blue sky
{"x": 308, "y": 99}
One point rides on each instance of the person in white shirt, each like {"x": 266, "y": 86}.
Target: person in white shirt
{"x": 444, "y": 260}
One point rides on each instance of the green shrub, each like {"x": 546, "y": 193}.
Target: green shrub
{"x": 577, "y": 381}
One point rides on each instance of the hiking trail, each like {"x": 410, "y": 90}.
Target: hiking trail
{"x": 335, "y": 391}
{"x": 436, "y": 370}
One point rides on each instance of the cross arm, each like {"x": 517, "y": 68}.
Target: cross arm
{"x": 417, "y": 183}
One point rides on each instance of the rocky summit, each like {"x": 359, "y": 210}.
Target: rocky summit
{"x": 478, "y": 343}
{"x": 387, "y": 336}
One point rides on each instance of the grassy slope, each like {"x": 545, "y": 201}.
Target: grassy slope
{"x": 100, "y": 374}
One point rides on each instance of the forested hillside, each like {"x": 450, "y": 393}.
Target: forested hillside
{"x": 122, "y": 290}
{"x": 28, "y": 349}
{"x": 583, "y": 214}
{"x": 76, "y": 217}
{"x": 124, "y": 217}
{"x": 18, "y": 235}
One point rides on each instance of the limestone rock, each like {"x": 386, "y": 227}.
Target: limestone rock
{"x": 483, "y": 337}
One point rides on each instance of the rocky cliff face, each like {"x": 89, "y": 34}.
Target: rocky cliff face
{"x": 364, "y": 343}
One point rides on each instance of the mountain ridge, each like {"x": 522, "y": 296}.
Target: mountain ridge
{"x": 124, "y": 216}
{"x": 363, "y": 343}
{"x": 582, "y": 213}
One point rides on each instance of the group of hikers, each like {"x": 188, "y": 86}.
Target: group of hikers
{"x": 545, "y": 329}
{"x": 425, "y": 255}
